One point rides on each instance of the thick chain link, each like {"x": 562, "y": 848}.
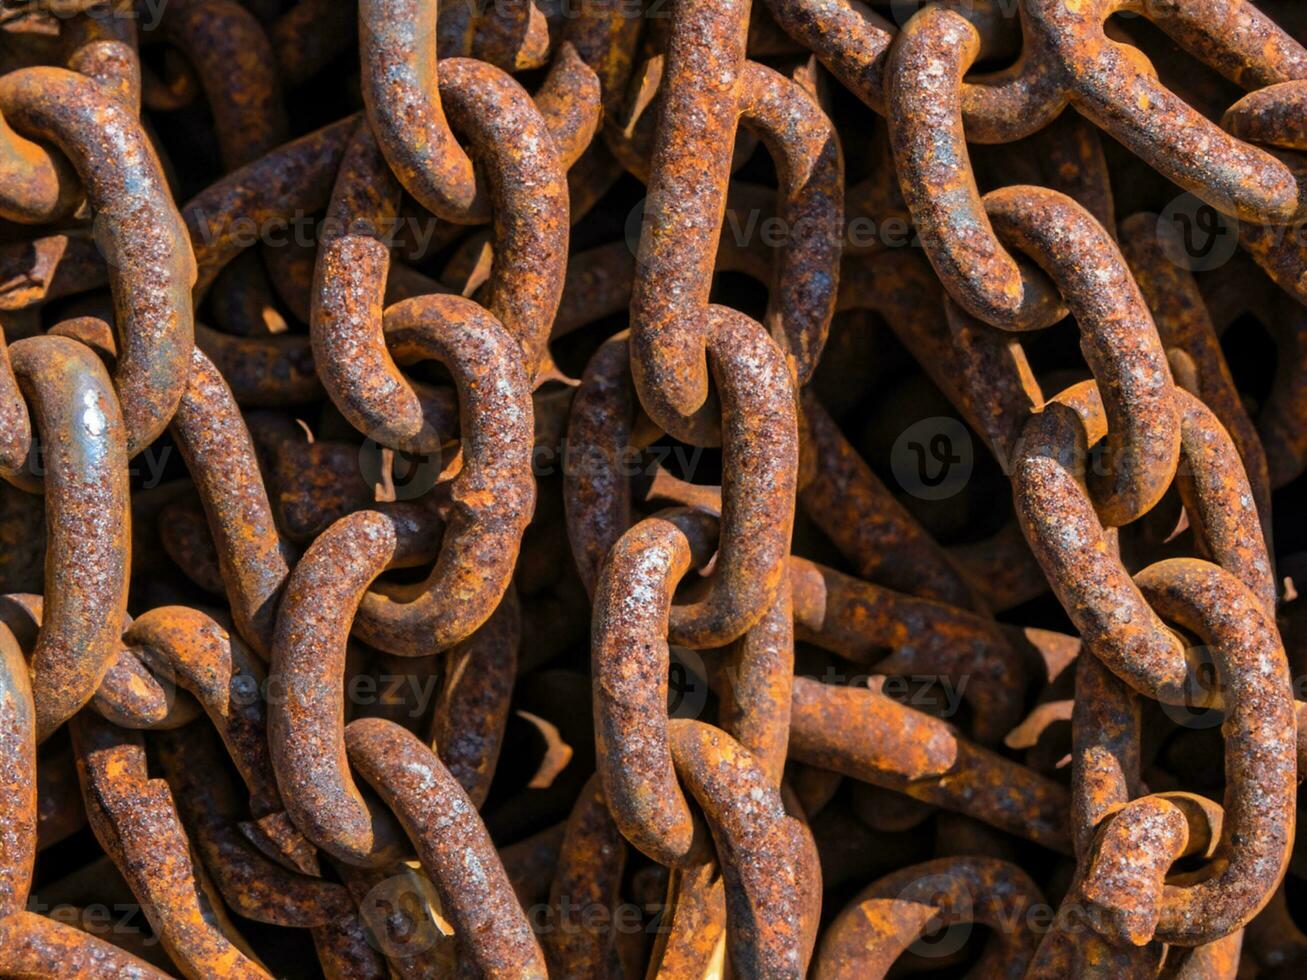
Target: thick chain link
{"x": 576, "y": 540}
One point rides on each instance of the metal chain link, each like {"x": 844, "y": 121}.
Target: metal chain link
{"x": 521, "y": 487}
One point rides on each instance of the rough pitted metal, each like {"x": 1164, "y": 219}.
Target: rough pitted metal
{"x": 440, "y": 662}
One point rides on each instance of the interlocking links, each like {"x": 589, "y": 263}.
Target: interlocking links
{"x": 83, "y": 441}
{"x": 757, "y": 412}
{"x": 1118, "y": 339}
{"x": 1068, "y": 57}
{"x": 305, "y": 721}
{"x": 128, "y": 695}
{"x": 406, "y": 110}
{"x": 490, "y": 503}
{"x": 1261, "y": 753}
{"x": 491, "y": 497}
{"x": 1117, "y": 88}
{"x": 348, "y": 299}
{"x": 708, "y": 87}
{"x": 1093, "y": 585}
{"x": 926, "y": 65}
{"x": 441, "y": 663}
{"x": 855, "y": 44}
{"x": 633, "y": 601}
{"x": 453, "y": 846}
{"x": 104, "y": 48}
{"x": 760, "y": 849}
{"x": 151, "y": 267}
{"x": 135, "y": 821}
{"x": 1068, "y": 539}
{"x": 530, "y": 255}
{"x": 640, "y": 775}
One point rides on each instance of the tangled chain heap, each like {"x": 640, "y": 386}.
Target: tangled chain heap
{"x": 538, "y": 505}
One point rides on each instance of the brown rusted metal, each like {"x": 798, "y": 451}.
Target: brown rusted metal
{"x": 252, "y": 558}
{"x": 925, "y": 69}
{"x": 883, "y": 919}
{"x": 368, "y": 525}
{"x": 18, "y": 801}
{"x": 136, "y": 822}
{"x": 452, "y": 845}
{"x": 138, "y": 227}
{"x": 923, "y": 758}
{"x": 84, "y": 439}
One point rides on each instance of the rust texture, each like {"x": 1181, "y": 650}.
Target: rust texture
{"x": 624, "y": 489}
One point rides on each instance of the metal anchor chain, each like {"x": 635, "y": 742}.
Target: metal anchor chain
{"x": 652, "y": 488}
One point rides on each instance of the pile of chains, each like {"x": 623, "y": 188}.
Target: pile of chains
{"x": 652, "y": 488}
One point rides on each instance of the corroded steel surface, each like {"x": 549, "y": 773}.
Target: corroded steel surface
{"x": 623, "y": 488}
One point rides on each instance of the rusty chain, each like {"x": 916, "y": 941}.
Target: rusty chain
{"x": 652, "y": 488}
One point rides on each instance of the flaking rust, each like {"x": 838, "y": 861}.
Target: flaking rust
{"x": 905, "y": 581}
